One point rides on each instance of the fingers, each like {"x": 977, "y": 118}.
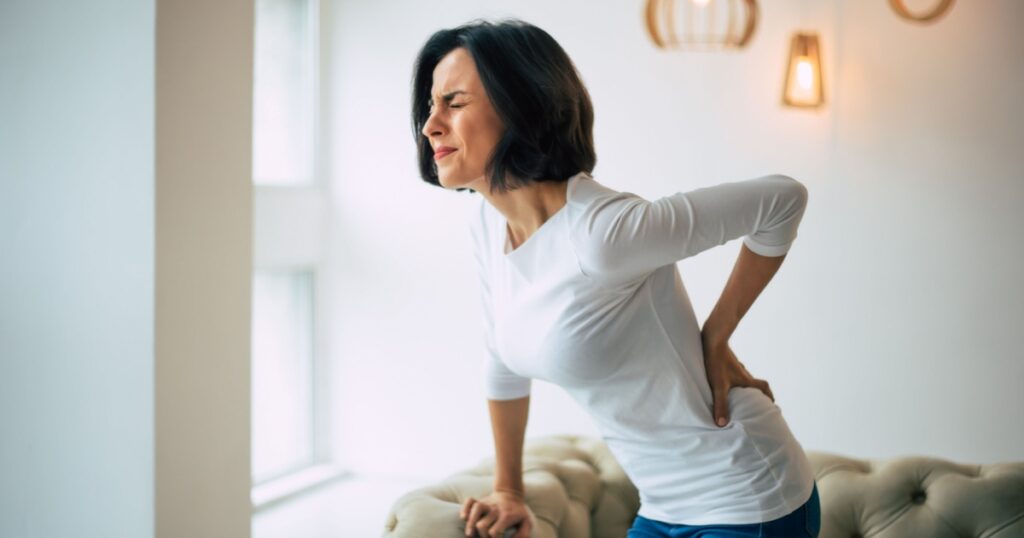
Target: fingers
{"x": 721, "y": 406}
{"x": 477, "y": 510}
{"x": 763, "y": 386}
{"x": 525, "y": 527}
{"x": 485, "y": 523}
{"x": 466, "y": 505}
{"x": 759, "y": 384}
{"x": 721, "y": 399}
{"x": 502, "y": 525}
{"x": 498, "y": 528}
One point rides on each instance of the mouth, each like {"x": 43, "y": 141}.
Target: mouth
{"x": 442, "y": 154}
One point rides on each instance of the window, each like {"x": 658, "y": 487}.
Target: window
{"x": 290, "y": 449}
{"x": 284, "y": 92}
{"x": 282, "y": 373}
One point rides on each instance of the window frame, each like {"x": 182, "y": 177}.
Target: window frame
{"x": 303, "y": 206}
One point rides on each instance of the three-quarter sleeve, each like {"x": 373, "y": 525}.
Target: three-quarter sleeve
{"x": 500, "y": 383}
{"x": 627, "y": 235}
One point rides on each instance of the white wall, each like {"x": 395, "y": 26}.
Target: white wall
{"x": 889, "y": 329}
{"x": 76, "y": 269}
{"x": 928, "y": 302}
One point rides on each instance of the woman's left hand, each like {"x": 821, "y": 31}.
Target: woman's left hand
{"x": 724, "y": 372}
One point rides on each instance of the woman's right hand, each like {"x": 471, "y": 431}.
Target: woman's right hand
{"x": 490, "y": 516}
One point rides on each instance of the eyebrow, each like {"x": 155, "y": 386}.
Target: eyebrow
{"x": 446, "y": 97}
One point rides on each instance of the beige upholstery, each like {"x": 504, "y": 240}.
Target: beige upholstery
{"x": 918, "y": 496}
{"x": 576, "y": 489}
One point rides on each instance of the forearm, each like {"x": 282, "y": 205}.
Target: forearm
{"x": 749, "y": 276}
{"x": 508, "y": 424}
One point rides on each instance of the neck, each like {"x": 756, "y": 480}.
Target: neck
{"x": 528, "y": 207}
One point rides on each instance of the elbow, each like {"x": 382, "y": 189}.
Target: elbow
{"x": 801, "y": 193}
{"x": 799, "y": 188}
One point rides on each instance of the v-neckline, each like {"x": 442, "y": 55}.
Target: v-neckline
{"x": 507, "y": 244}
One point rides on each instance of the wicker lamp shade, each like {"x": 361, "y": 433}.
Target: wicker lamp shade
{"x": 701, "y": 24}
{"x": 931, "y": 15}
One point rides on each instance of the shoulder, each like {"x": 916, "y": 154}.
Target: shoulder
{"x": 599, "y": 215}
{"x": 597, "y": 209}
{"x": 591, "y": 199}
{"x": 585, "y": 187}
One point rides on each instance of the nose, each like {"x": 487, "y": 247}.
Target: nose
{"x": 432, "y": 127}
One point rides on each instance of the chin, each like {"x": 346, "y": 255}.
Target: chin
{"x": 449, "y": 182}
{"x": 445, "y": 181}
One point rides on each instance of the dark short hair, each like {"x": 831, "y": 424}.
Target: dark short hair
{"x": 536, "y": 92}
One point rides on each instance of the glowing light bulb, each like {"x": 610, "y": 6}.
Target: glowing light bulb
{"x": 804, "y": 72}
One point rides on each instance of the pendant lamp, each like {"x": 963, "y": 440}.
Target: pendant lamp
{"x": 927, "y": 16}
{"x": 803, "y": 86}
{"x": 700, "y": 24}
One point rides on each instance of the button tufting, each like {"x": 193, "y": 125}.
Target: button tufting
{"x": 918, "y": 497}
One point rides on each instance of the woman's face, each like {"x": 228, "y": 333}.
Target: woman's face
{"x": 461, "y": 118}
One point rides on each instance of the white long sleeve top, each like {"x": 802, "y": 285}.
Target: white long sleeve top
{"x": 593, "y": 302}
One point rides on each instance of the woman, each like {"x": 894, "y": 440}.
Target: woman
{"x": 580, "y": 287}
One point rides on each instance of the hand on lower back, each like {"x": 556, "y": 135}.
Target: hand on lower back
{"x": 725, "y": 371}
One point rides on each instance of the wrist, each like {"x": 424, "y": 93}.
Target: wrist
{"x": 509, "y": 485}
{"x": 712, "y": 336}
{"x": 517, "y": 493}
{"x": 719, "y": 325}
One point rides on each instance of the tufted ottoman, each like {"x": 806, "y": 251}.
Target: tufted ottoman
{"x": 576, "y": 489}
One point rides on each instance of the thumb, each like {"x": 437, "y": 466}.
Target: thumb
{"x": 721, "y": 408}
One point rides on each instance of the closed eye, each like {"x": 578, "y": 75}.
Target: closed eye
{"x": 431, "y": 109}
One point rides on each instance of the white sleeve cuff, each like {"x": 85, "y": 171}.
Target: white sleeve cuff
{"x": 766, "y": 250}
{"x": 510, "y": 389}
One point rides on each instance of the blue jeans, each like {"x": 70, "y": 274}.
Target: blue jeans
{"x": 802, "y": 522}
